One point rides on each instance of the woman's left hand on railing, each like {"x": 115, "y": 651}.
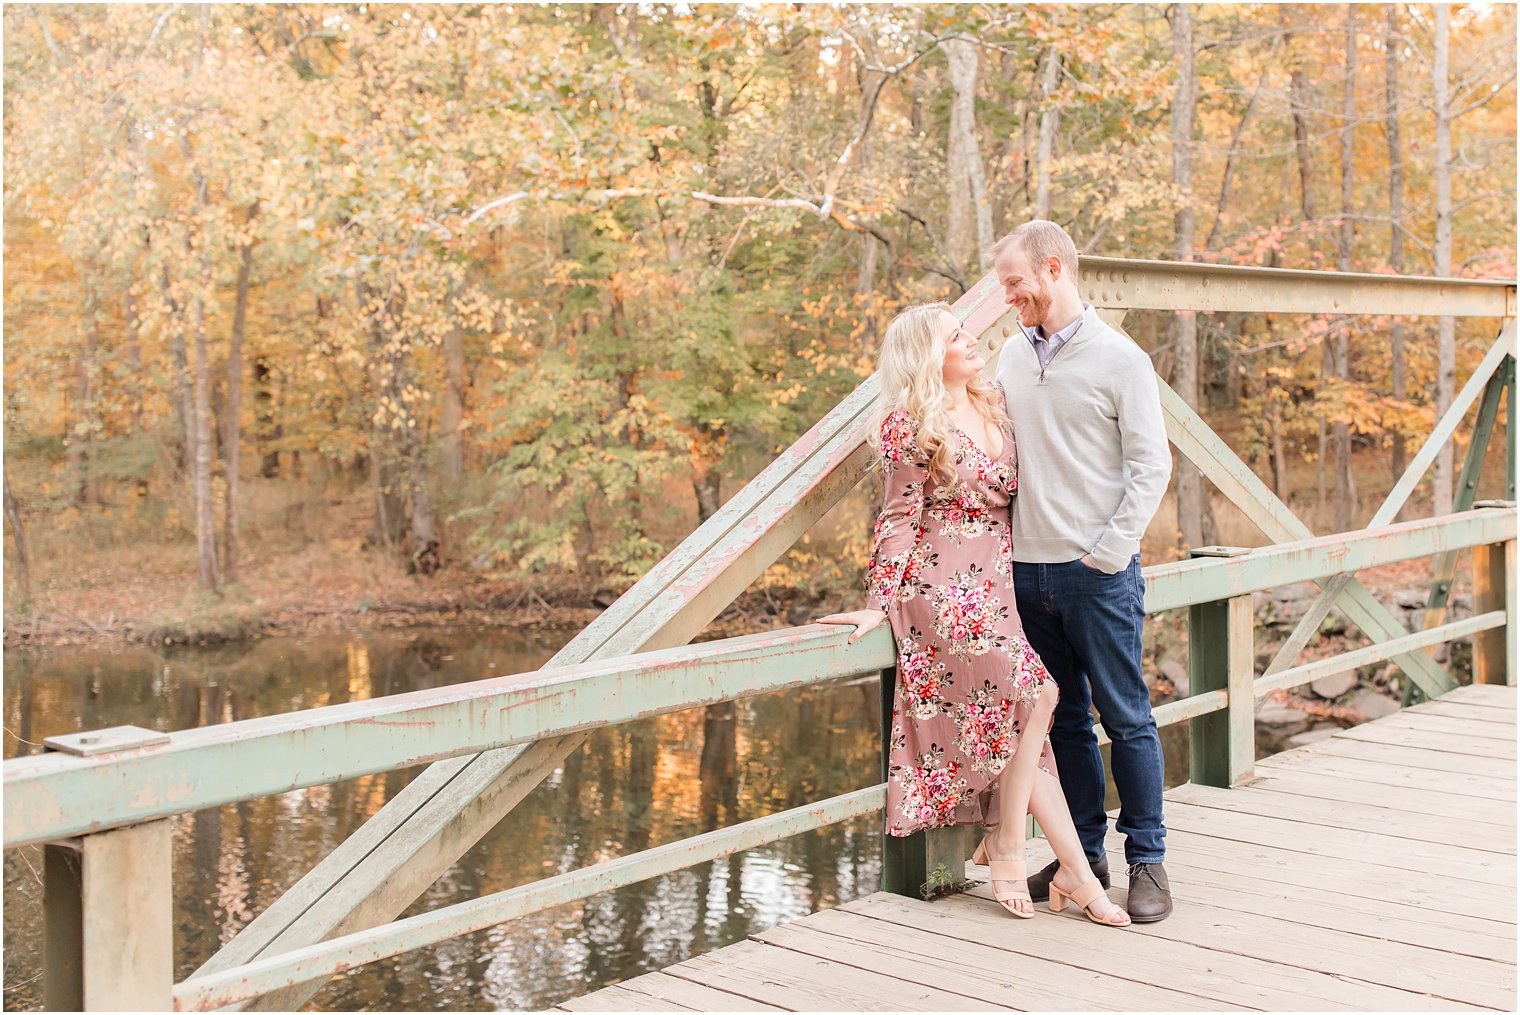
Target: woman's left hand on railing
{"x": 864, "y": 621}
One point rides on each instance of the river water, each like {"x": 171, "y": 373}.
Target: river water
{"x": 629, "y": 788}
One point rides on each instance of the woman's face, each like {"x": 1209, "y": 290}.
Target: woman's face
{"x": 962, "y": 360}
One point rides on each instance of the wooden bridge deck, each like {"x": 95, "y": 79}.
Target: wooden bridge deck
{"x": 1373, "y": 870}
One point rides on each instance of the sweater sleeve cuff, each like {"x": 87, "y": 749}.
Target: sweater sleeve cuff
{"x": 1113, "y": 552}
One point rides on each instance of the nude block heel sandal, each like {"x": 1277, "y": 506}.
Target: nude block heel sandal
{"x": 1006, "y": 870}
{"x": 1085, "y": 895}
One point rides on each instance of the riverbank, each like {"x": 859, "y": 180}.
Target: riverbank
{"x": 137, "y": 598}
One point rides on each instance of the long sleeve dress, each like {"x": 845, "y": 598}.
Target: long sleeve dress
{"x": 942, "y": 570}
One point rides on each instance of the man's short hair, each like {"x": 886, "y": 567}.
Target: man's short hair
{"x": 1038, "y": 240}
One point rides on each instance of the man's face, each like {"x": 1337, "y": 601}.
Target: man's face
{"x": 1025, "y": 286}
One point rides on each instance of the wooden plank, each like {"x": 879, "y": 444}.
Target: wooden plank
{"x": 1473, "y": 787}
{"x": 1464, "y": 711}
{"x": 697, "y": 996}
{"x": 620, "y": 998}
{"x": 1493, "y": 869}
{"x": 1306, "y": 782}
{"x": 800, "y": 982}
{"x": 1256, "y": 891}
{"x": 1138, "y": 954}
{"x": 1307, "y": 872}
{"x": 979, "y": 969}
{"x": 1357, "y": 817}
{"x": 1487, "y": 694}
{"x": 1431, "y": 740}
{"x": 1477, "y": 727}
{"x": 1405, "y": 967}
{"x": 1413, "y": 757}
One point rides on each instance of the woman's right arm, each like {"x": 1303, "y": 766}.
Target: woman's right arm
{"x": 905, "y": 473}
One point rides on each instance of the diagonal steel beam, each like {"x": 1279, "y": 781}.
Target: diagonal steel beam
{"x": 1199, "y": 444}
{"x": 1486, "y": 380}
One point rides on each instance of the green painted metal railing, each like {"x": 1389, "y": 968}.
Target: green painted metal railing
{"x": 102, "y": 802}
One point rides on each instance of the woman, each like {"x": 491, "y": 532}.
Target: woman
{"x": 968, "y": 684}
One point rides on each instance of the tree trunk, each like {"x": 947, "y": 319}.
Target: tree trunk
{"x": 970, "y": 210}
{"x": 387, "y": 477}
{"x": 23, "y": 560}
{"x": 870, "y": 246}
{"x": 134, "y": 360}
{"x": 425, "y": 556}
{"x": 1298, "y": 101}
{"x": 1392, "y": 41}
{"x": 1446, "y": 357}
{"x": 865, "y": 286}
{"x": 1050, "y": 79}
{"x": 1340, "y": 437}
{"x": 205, "y": 519}
{"x": 82, "y": 432}
{"x": 707, "y": 484}
{"x": 265, "y": 428}
{"x": 451, "y": 448}
{"x": 1194, "y": 518}
{"x": 231, "y": 423}
{"x": 201, "y": 446}
{"x": 183, "y": 402}
{"x": 1228, "y": 176}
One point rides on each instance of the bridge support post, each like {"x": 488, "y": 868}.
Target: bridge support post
{"x": 1220, "y": 657}
{"x": 1493, "y": 578}
{"x": 926, "y": 864}
{"x": 108, "y": 912}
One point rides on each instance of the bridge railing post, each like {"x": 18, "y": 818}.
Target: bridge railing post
{"x": 108, "y": 921}
{"x": 1221, "y": 656}
{"x": 1493, "y": 586}
{"x": 926, "y": 864}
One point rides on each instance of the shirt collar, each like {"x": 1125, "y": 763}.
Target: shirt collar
{"x": 1066, "y": 332}
{"x": 1037, "y": 335}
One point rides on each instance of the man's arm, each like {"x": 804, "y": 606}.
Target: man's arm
{"x": 1147, "y": 461}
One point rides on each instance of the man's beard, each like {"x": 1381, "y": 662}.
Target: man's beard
{"x": 1037, "y": 309}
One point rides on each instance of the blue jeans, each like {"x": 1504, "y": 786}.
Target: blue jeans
{"x": 1086, "y": 627}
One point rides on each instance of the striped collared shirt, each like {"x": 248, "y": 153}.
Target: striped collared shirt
{"x": 1046, "y": 346}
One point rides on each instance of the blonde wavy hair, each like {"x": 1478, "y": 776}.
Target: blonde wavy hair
{"x": 911, "y": 368}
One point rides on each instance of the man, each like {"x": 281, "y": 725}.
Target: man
{"x": 1093, "y": 465}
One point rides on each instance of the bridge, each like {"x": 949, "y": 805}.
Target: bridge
{"x": 1394, "y": 840}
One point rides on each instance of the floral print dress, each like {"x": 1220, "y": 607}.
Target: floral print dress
{"x": 942, "y": 570}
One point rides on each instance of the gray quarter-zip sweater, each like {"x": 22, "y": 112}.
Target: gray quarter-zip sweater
{"x": 1092, "y": 451}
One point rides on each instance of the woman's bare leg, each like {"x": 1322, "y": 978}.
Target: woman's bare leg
{"x": 1015, "y": 784}
{"x": 1048, "y": 805}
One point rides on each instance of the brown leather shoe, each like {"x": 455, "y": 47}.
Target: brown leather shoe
{"x": 1150, "y": 893}
{"x": 1039, "y": 884}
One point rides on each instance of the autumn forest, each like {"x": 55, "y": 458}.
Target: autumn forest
{"x": 328, "y": 308}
